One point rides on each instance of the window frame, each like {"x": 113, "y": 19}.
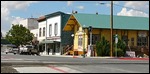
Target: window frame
{"x": 56, "y": 29}
{"x": 50, "y": 30}
{"x": 43, "y": 31}
{"x": 40, "y": 32}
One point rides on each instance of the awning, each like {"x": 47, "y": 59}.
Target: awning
{"x": 47, "y": 41}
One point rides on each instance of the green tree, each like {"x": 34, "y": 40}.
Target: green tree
{"x": 103, "y": 47}
{"x": 121, "y": 46}
{"x": 19, "y": 35}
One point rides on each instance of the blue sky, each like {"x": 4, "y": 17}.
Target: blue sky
{"x": 14, "y": 11}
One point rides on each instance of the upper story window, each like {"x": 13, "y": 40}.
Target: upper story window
{"x": 50, "y": 29}
{"x": 56, "y": 29}
{"x": 40, "y": 32}
{"x": 80, "y": 37}
{"x": 43, "y": 31}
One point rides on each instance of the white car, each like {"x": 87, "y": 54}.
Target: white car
{"x": 8, "y": 50}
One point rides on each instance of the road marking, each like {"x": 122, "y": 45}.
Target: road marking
{"x": 60, "y": 70}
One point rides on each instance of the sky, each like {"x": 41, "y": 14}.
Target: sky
{"x": 14, "y": 11}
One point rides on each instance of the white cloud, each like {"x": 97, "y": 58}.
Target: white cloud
{"x": 132, "y": 12}
{"x": 16, "y": 20}
{"x": 69, "y": 3}
{"x": 6, "y": 8}
{"x": 139, "y": 5}
{"x": 80, "y": 7}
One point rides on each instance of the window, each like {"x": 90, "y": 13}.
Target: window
{"x": 80, "y": 40}
{"x": 50, "y": 29}
{"x": 132, "y": 41}
{"x": 56, "y": 29}
{"x": 40, "y": 32}
{"x": 43, "y": 31}
{"x": 125, "y": 38}
{"x": 142, "y": 39}
{"x": 95, "y": 38}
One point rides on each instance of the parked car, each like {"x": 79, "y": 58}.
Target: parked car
{"x": 8, "y": 50}
{"x": 29, "y": 50}
{"x": 11, "y": 49}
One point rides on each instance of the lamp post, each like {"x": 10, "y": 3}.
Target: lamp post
{"x": 111, "y": 28}
{"x": 84, "y": 41}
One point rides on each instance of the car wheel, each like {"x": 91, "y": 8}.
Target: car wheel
{"x": 6, "y": 52}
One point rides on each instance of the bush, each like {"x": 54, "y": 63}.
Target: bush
{"x": 121, "y": 46}
{"x": 103, "y": 47}
{"x": 119, "y": 52}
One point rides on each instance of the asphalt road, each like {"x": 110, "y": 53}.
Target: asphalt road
{"x": 60, "y": 59}
{"x": 80, "y": 64}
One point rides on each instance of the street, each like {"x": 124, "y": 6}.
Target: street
{"x": 64, "y": 64}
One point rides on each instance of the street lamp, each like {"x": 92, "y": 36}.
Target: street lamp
{"x": 84, "y": 41}
{"x": 111, "y": 25}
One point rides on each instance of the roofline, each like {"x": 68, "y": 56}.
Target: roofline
{"x": 54, "y": 14}
{"x": 42, "y": 18}
{"x": 67, "y": 22}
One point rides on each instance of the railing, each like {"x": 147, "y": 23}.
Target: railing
{"x": 67, "y": 49}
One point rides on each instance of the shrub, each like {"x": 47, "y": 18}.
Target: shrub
{"x": 119, "y": 52}
{"x": 103, "y": 47}
{"x": 121, "y": 47}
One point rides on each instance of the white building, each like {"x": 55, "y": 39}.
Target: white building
{"x": 35, "y": 32}
{"x": 50, "y": 35}
{"x": 29, "y": 23}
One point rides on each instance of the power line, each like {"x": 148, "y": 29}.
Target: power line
{"x": 125, "y": 7}
{"x": 130, "y": 8}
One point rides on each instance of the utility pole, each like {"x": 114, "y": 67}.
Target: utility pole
{"x": 111, "y": 25}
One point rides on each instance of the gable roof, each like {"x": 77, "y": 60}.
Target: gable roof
{"x": 119, "y": 22}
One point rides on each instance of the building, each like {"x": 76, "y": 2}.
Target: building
{"x": 30, "y": 23}
{"x": 133, "y": 30}
{"x": 52, "y": 38}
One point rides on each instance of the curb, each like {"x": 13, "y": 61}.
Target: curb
{"x": 65, "y": 63}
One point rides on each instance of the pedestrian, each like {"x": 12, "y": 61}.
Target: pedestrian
{"x": 48, "y": 50}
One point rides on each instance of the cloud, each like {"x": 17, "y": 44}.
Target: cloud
{"x": 69, "y": 3}
{"x": 16, "y": 20}
{"x": 141, "y": 6}
{"x": 80, "y": 7}
{"x": 132, "y": 12}
{"x": 6, "y": 8}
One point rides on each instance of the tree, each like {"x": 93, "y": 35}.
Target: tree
{"x": 121, "y": 46}
{"x": 19, "y": 35}
{"x": 103, "y": 47}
